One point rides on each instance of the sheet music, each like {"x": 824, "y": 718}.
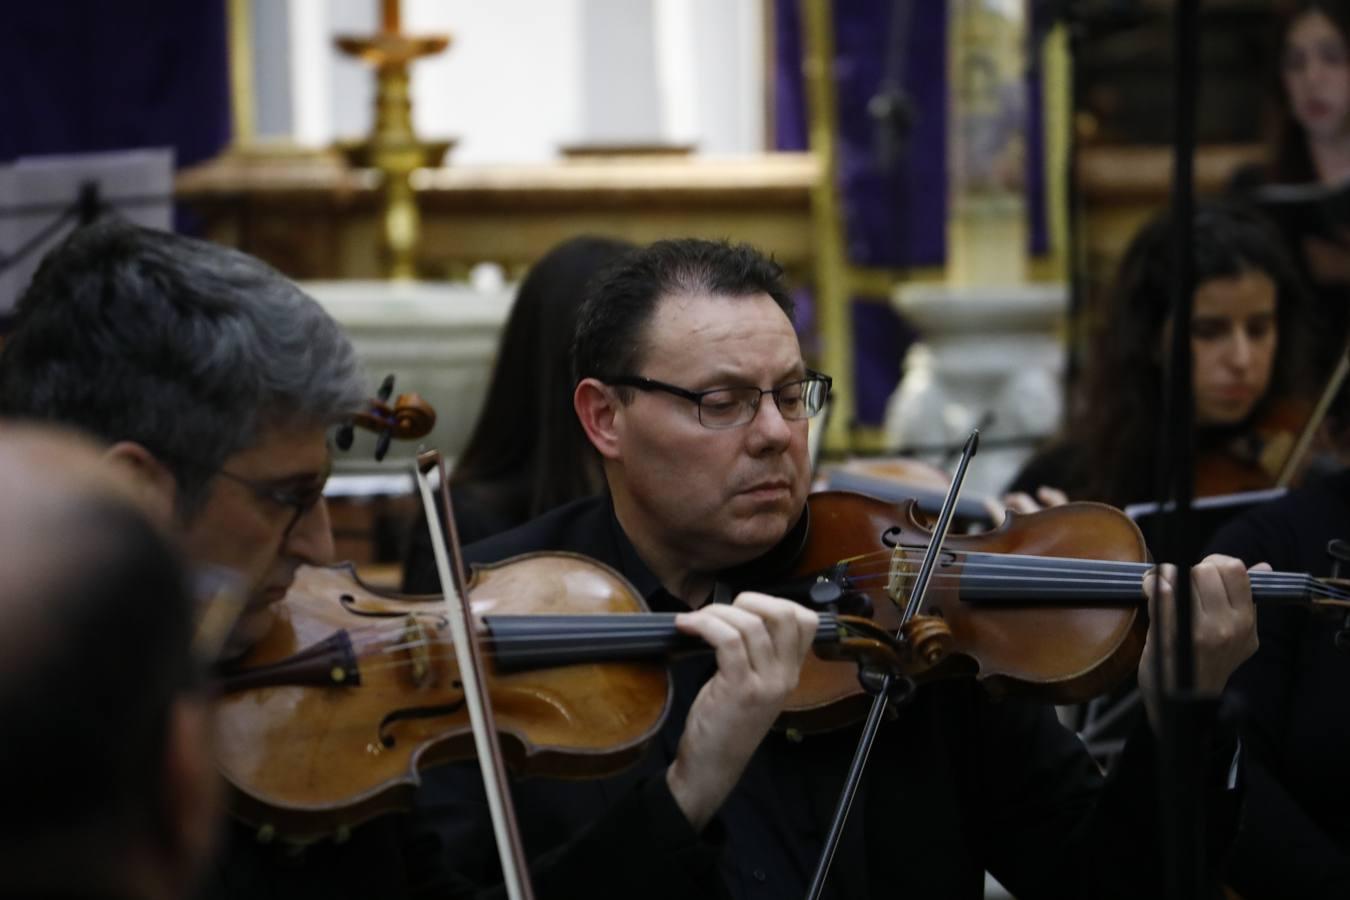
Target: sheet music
{"x": 53, "y": 183}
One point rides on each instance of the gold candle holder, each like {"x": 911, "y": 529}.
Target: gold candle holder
{"x": 393, "y": 147}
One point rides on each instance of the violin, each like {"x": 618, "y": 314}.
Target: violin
{"x": 330, "y": 719}
{"x": 1255, "y": 459}
{"x": 995, "y": 609}
{"x": 1049, "y": 605}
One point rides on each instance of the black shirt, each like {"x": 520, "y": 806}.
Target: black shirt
{"x": 1294, "y": 840}
{"x": 957, "y": 784}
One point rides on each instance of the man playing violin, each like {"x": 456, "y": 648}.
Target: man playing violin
{"x": 692, "y": 388}
{"x": 106, "y": 770}
{"x": 212, "y": 381}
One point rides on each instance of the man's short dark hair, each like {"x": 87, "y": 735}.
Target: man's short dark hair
{"x": 623, "y": 299}
{"x": 185, "y": 347}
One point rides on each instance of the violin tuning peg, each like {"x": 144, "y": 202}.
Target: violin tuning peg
{"x": 386, "y": 388}
{"x": 343, "y": 437}
{"x": 1339, "y": 551}
{"x": 825, "y": 595}
{"x": 382, "y": 445}
{"x": 859, "y": 604}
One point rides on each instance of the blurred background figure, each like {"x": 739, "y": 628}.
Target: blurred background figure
{"x": 1248, "y": 387}
{"x": 1308, "y": 160}
{"x": 110, "y": 787}
{"x": 527, "y": 453}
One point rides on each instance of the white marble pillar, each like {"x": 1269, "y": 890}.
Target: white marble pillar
{"x": 987, "y": 351}
{"x": 438, "y": 338}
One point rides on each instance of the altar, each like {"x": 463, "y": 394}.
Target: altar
{"x": 313, "y": 217}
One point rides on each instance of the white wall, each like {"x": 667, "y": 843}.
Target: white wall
{"x": 522, "y": 77}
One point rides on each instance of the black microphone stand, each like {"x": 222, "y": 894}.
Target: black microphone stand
{"x": 1181, "y": 754}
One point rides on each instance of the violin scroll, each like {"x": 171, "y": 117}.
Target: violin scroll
{"x": 929, "y": 638}
{"x": 926, "y": 642}
{"x": 410, "y": 418}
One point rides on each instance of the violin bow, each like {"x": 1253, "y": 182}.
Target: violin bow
{"x": 1319, "y": 413}
{"x": 469, "y": 657}
{"x": 885, "y": 687}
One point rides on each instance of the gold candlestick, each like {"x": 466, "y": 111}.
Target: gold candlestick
{"x": 393, "y": 147}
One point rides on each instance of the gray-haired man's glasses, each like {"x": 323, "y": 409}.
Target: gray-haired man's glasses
{"x": 729, "y": 407}
{"x": 299, "y": 499}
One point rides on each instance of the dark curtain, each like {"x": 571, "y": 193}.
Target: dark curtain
{"x": 88, "y": 75}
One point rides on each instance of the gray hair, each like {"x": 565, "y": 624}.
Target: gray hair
{"x": 186, "y": 347}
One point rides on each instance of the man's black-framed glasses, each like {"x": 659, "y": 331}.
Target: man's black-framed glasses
{"x": 732, "y": 406}
{"x": 299, "y": 498}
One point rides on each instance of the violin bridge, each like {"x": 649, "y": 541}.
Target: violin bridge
{"x": 900, "y": 579}
{"x": 417, "y": 643}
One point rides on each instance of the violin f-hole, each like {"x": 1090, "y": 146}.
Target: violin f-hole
{"x": 387, "y": 739}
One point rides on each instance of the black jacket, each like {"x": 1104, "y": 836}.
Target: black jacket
{"x": 1294, "y": 839}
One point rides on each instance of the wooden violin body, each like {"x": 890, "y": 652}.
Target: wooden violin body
{"x": 1253, "y": 460}
{"x": 1047, "y": 646}
{"x": 329, "y": 721}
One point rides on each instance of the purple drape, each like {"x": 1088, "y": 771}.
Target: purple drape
{"x": 894, "y": 216}
{"x": 89, "y": 75}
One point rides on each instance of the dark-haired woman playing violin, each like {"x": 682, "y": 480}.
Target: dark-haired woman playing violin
{"x": 1246, "y": 339}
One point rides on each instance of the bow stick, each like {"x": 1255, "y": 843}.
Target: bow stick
{"x": 468, "y": 655}
{"x": 887, "y": 683}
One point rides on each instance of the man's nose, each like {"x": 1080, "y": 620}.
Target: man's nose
{"x": 311, "y": 538}
{"x": 769, "y": 429}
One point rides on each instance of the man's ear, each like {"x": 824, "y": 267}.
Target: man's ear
{"x": 598, "y": 409}
{"x": 155, "y": 486}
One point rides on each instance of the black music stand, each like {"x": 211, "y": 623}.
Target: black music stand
{"x": 42, "y": 198}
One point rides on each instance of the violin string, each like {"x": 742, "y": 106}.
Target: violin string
{"x": 1082, "y": 570}
{"x": 1025, "y": 562}
{"x": 651, "y": 648}
{"x": 1104, "y": 578}
{"x": 1084, "y": 583}
{"x": 486, "y": 640}
{"x": 650, "y": 624}
{"x": 649, "y": 634}
{"x": 645, "y": 630}
{"x": 645, "y": 625}
{"x": 649, "y": 627}
{"x": 642, "y": 623}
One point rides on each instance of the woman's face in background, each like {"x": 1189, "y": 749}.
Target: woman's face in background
{"x": 1316, "y": 74}
{"x": 1234, "y": 336}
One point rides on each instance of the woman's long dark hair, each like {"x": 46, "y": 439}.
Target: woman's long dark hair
{"x": 527, "y": 453}
{"x": 1117, "y": 419}
{"x": 1290, "y": 159}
